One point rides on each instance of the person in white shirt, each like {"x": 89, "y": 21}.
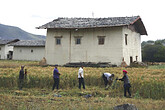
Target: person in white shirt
{"x": 81, "y": 77}
{"x": 108, "y": 78}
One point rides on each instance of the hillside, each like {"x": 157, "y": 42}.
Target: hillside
{"x": 11, "y": 32}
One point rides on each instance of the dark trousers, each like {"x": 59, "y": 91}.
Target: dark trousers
{"x": 81, "y": 81}
{"x": 56, "y": 83}
{"x": 105, "y": 80}
{"x": 127, "y": 89}
{"x": 21, "y": 83}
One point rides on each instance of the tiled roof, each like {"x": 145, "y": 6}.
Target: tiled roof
{"x": 29, "y": 43}
{"x": 4, "y": 42}
{"x": 73, "y": 23}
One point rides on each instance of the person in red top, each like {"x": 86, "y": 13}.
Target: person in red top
{"x": 127, "y": 84}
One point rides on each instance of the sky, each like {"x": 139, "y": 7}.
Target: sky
{"x": 28, "y": 14}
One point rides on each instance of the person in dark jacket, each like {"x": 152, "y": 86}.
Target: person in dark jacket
{"x": 56, "y": 75}
{"x": 127, "y": 84}
{"x": 21, "y": 77}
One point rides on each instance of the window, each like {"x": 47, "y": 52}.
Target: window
{"x": 32, "y": 51}
{"x": 77, "y": 39}
{"x": 126, "y": 39}
{"x": 58, "y": 40}
{"x": 101, "y": 40}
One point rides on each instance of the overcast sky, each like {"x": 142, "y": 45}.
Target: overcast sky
{"x": 28, "y": 14}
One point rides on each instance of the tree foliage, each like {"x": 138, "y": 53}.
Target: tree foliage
{"x": 154, "y": 53}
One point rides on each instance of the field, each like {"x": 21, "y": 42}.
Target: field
{"x": 148, "y": 88}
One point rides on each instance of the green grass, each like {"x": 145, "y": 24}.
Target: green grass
{"x": 157, "y": 66}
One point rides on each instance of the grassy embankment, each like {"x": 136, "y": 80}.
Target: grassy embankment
{"x": 148, "y": 86}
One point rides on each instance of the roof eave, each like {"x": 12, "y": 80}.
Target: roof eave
{"x": 140, "y": 26}
{"x": 28, "y": 46}
{"x": 80, "y": 27}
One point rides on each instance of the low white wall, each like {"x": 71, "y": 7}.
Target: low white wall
{"x": 29, "y": 53}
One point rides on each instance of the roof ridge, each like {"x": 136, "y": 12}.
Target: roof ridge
{"x": 84, "y": 23}
{"x": 93, "y": 18}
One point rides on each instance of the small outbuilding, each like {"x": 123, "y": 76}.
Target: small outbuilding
{"x": 6, "y": 50}
{"x": 32, "y": 50}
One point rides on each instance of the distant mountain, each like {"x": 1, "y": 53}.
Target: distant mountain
{"x": 11, "y": 32}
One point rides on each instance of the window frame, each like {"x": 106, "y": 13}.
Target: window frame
{"x": 101, "y": 40}
{"x": 77, "y": 40}
{"x": 58, "y": 40}
{"x": 126, "y": 39}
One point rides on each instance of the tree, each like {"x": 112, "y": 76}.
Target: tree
{"x": 154, "y": 53}
{"x": 150, "y": 42}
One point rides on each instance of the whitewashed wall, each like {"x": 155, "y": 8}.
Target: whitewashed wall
{"x": 24, "y": 53}
{"x": 5, "y": 50}
{"x": 2, "y": 52}
{"x": 57, "y": 54}
{"x": 88, "y": 50}
{"x": 133, "y": 47}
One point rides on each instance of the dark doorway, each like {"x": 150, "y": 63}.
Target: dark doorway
{"x": 10, "y": 55}
{"x": 136, "y": 58}
{"x": 131, "y": 59}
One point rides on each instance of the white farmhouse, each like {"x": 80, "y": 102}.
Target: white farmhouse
{"x": 6, "y": 50}
{"x": 71, "y": 40}
{"x": 31, "y": 50}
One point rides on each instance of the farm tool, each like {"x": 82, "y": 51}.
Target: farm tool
{"x": 114, "y": 84}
